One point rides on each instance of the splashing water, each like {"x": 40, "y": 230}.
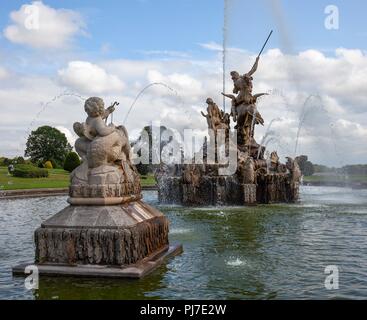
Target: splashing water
{"x": 235, "y": 262}
{"x": 307, "y": 108}
{"x": 268, "y": 134}
{"x": 302, "y": 119}
{"x": 44, "y": 106}
{"x": 224, "y": 53}
{"x": 143, "y": 91}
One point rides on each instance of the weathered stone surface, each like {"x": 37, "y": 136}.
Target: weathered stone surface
{"x": 135, "y": 271}
{"x": 112, "y": 235}
{"x": 106, "y": 171}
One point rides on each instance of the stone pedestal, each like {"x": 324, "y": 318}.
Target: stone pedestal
{"x": 102, "y": 235}
{"x": 128, "y": 240}
{"x": 249, "y": 194}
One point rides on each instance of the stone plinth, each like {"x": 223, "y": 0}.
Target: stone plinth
{"x": 273, "y": 188}
{"x": 211, "y": 190}
{"x": 228, "y": 190}
{"x": 124, "y": 241}
{"x": 134, "y": 271}
{"x": 101, "y": 235}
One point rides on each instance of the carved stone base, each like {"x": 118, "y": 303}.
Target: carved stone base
{"x": 135, "y": 271}
{"x": 227, "y": 190}
{"x": 274, "y": 188}
{"x": 101, "y": 235}
{"x": 249, "y": 193}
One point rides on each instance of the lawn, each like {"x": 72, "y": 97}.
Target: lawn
{"x": 335, "y": 178}
{"x": 148, "y": 181}
{"x": 58, "y": 178}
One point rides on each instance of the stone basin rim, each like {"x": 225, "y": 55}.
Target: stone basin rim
{"x": 102, "y": 201}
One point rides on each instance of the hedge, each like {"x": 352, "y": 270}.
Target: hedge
{"x": 29, "y": 171}
{"x": 72, "y": 161}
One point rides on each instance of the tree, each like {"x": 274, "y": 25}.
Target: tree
{"x": 19, "y": 160}
{"x": 47, "y": 143}
{"x": 72, "y": 161}
{"x": 308, "y": 169}
{"x": 306, "y": 166}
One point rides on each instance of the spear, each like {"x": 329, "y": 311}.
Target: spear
{"x": 266, "y": 42}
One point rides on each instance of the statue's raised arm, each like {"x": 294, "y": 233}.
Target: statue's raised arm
{"x": 254, "y": 68}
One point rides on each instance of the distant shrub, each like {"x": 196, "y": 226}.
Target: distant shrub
{"x": 18, "y": 160}
{"x": 55, "y": 164}
{"x": 48, "y": 165}
{"x": 4, "y": 162}
{"x": 72, "y": 161}
{"x": 29, "y": 171}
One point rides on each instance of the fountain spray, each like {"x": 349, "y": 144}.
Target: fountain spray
{"x": 224, "y": 53}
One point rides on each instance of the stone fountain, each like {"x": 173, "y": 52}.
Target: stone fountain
{"x": 107, "y": 230}
{"x": 256, "y": 179}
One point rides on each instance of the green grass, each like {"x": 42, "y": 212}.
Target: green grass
{"x": 331, "y": 178}
{"x": 58, "y": 178}
{"x": 148, "y": 181}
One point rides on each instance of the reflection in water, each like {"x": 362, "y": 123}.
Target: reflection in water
{"x": 94, "y": 289}
{"x": 262, "y": 252}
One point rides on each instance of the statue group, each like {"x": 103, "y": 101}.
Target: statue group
{"x": 257, "y": 180}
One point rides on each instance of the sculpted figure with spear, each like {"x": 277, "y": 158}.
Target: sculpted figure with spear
{"x": 244, "y": 110}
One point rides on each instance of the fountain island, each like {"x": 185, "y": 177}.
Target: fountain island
{"x": 107, "y": 230}
{"x": 254, "y": 180}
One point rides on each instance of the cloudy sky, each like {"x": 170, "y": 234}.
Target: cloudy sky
{"x": 54, "y": 54}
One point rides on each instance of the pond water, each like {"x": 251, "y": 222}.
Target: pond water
{"x": 262, "y": 252}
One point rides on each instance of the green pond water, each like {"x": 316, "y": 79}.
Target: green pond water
{"x": 263, "y": 252}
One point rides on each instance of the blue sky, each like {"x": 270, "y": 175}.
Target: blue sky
{"x": 129, "y": 27}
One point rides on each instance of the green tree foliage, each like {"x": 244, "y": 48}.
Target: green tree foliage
{"x": 306, "y": 166}
{"x": 358, "y": 169}
{"x": 47, "y": 143}
{"x": 4, "y": 162}
{"x": 72, "y": 161}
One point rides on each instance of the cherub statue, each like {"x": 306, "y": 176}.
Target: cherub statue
{"x": 98, "y": 142}
{"x": 94, "y": 124}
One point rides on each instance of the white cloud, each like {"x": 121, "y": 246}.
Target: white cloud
{"x": 332, "y": 124}
{"x": 40, "y": 26}
{"x": 89, "y": 78}
{"x": 68, "y": 134}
